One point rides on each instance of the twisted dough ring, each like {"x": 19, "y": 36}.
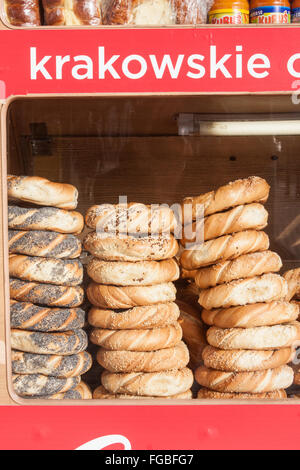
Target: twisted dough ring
{"x": 245, "y": 382}
{"x": 246, "y": 266}
{"x": 259, "y": 338}
{"x": 205, "y": 393}
{"x": 175, "y": 357}
{"x": 242, "y": 191}
{"x": 156, "y": 384}
{"x": 293, "y": 279}
{"x": 250, "y": 316}
{"x": 42, "y": 385}
{"x": 140, "y": 273}
{"x": 245, "y": 360}
{"x": 101, "y": 394}
{"x": 130, "y": 248}
{"x": 81, "y": 392}
{"x": 137, "y": 340}
{"x": 224, "y": 248}
{"x": 264, "y": 288}
{"x": 143, "y": 317}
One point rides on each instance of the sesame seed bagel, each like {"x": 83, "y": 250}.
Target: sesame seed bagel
{"x": 42, "y": 385}
{"x": 264, "y": 288}
{"x": 46, "y": 364}
{"x": 242, "y": 191}
{"x": 156, "y": 384}
{"x": 204, "y": 393}
{"x": 64, "y": 344}
{"x": 249, "y": 216}
{"x": 140, "y": 273}
{"x": 130, "y": 248}
{"x": 116, "y": 297}
{"x": 46, "y": 294}
{"x": 101, "y": 394}
{"x": 293, "y": 279}
{"x": 224, "y": 248}
{"x": 249, "y": 316}
{"x": 27, "y": 316}
{"x": 245, "y": 360}
{"x": 143, "y": 317}
{"x": 245, "y": 382}
{"x": 45, "y": 218}
{"x": 246, "y": 266}
{"x": 137, "y": 340}
{"x": 259, "y": 338}
{"x": 46, "y": 270}
{"x": 152, "y": 361}
{"x": 131, "y": 218}
{"x": 45, "y": 244}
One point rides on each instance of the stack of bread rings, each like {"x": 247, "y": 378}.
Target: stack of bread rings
{"x": 48, "y": 342}
{"x": 252, "y": 326}
{"x": 134, "y": 315}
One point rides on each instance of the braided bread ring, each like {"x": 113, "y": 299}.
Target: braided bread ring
{"x": 101, "y": 394}
{"x": 148, "y": 316}
{"x": 129, "y": 248}
{"x": 175, "y": 357}
{"x": 204, "y": 393}
{"x": 224, "y": 248}
{"x": 45, "y": 218}
{"x": 293, "y": 279}
{"x": 64, "y": 344}
{"x": 250, "y": 216}
{"x": 46, "y": 294}
{"x": 137, "y": 340}
{"x": 245, "y": 382}
{"x": 249, "y": 316}
{"x": 48, "y": 270}
{"x": 140, "y": 273}
{"x": 264, "y": 288}
{"x": 243, "y": 191}
{"x": 156, "y": 384}
{"x": 81, "y": 392}
{"x": 242, "y": 360}
{"x": 27, "y": 316}
{"x": 56, "y": 366}
{"x": 260, "y": 338}
{"x": 46, "y": 244}
{"x": 250, "y": 265}
{"x": 131, "y": 218}
{"x": 42, "y": 385}
{"x": 130, "y": 296}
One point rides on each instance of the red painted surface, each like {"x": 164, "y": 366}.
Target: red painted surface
{"x": 152, "y": 427}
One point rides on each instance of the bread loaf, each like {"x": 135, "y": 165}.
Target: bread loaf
{"x": 264, "y": 288}
{"x": 130, "y": 248}
{"x": 45, "y": 218}
{"x": 64, "y": 344}
{"x": 46, "y": 270}
{"x": 132, "y": 218}
{"x": 224, "y": 248}
{"x": 144, "y": 317}
{"x": 101, "y": 394}
{"x": 249, "y": 216}
{"x": 42, "y": 192}
{"x": 245, "y": 382}
{"x": 72, "y": 12}
{"x": 140, "y": 273}
{"x": 262, "y": 337}
{"x": 250, "y": 265}
{"x": 45, "y": 244}
{"x": 156, "y": 384}
{"x": 137, "y": 340}
{"x": 175, "y": 357}
{"x": 125, "y": 297}
{"x": 249, "y": 316}
{"x": 46, "y": 294}
{"x": 204, "y": 393}
{"x": 245, "y": 360}
{"x": 27, "y": 316}
{"x": 293, "y": 279}
{"x": 42, "y": 385}
{"x": 236, "y": 193}
{"x": 22, "y": 12}
{"x": 53, "y": 365}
